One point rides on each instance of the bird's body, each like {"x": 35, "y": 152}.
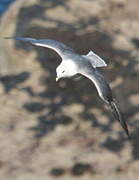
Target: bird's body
{"x": 86, "y": 65}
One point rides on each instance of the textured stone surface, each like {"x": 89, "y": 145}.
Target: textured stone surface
{"x": 52, "y": 130}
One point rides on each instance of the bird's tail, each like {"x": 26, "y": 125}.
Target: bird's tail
{"x": 117, "y": 115}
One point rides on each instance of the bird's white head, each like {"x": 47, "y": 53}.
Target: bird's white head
{"x": 66, "y": 69}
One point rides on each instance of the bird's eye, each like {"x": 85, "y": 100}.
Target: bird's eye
{"x": 63, "y": 71}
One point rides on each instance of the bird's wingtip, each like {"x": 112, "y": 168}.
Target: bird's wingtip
{"x": 20, "y": 38}
{"x": 15, "y": 38}
{"x": 128, "y": 135}
{"x": 8, "y": 38}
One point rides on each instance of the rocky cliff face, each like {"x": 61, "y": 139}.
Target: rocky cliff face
{"x": 50, "y": 129}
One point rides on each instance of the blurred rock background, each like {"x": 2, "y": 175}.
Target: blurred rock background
{"x": 63, "y": 130}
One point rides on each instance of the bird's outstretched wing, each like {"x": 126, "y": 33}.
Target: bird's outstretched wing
{"x": 95, "y": 60}
{"x": 57, "y": 46}
{"x": 105, "y": 93}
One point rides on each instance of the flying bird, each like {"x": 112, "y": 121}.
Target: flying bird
{"x": 73, "y": 64}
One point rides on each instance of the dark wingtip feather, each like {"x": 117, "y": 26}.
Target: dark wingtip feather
{"x": 117, "y": 115}
{"x": 20, "y": 38}
{"x": 15, "y": 38}
{"x": 12, "y": 37}
{"x": 8, "y": 38}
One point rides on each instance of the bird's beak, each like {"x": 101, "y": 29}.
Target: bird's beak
{"x": 57, "y": 79}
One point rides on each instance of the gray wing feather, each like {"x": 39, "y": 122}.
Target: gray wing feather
{"x": 105, "y": 93}
{"x": 59, "y": 47}
{"x": 101, "y": 84}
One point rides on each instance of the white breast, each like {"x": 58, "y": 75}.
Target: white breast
{"x": 70, "y": 65}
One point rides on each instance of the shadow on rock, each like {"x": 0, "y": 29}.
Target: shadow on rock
{"x": 12, "y": 81}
